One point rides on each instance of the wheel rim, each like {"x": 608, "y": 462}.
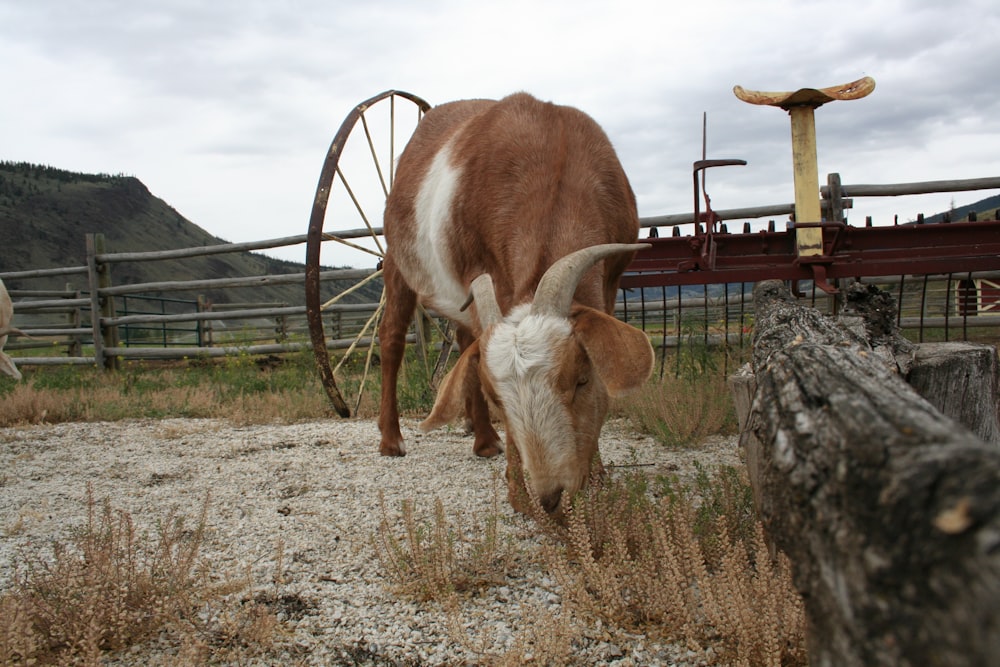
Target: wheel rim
{"x": 377, "y": 127}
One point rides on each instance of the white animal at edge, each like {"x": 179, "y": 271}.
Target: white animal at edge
{"x": 7, "y": 366}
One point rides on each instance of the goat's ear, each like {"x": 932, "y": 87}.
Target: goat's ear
{"x": 457, "y": 384}
{"x": 621, "y": 354}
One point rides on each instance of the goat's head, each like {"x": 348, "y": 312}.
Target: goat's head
{"x": 549, "y": 367}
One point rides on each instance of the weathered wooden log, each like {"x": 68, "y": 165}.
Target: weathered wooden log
{"x": 960, "y": 380}
{"x": 888, "y": 510}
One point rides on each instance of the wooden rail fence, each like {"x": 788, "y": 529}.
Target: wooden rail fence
{"x": 77, "y": 321}
{"x": 89, "y": 318}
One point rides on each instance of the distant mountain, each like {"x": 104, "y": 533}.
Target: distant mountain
{"x": 985, "y": 209}
{"x": 45, "y": 213}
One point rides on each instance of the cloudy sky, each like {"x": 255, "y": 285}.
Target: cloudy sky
{"x": 225, "y": 109}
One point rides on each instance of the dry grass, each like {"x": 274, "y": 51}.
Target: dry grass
{"x": 682, "y": 566}
{"x": 681, "y": 410}
{"x": 27, "y": 404}
{"x": 677, "y": 563}
{"x": 103, "y": 592}
{"x": 433, "y": 558}
{"x": 240, "y": 388}
{"x": 111, "y": 588}
{"x": 548, "y": 640}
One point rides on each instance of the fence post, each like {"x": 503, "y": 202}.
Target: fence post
{"x": 99, "y": 277}
{"x": 836, "y": 196}
{"x": 74, "y": 348}
{"x": 126, "y": 330}
{"x": 95, "y": 301}
{"x": 281, "y": 327}
{"x": 200, "y": 324}
{"x": 204, "y": 326}
{"x": 336, "y": 324}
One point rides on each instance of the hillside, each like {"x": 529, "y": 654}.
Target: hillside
{"x": 985, "y": 209}
{"x": 45, "y": 213}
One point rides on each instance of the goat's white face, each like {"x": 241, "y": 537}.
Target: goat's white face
{"x": 550, "y": 368}
{"x": 553, "y": 404}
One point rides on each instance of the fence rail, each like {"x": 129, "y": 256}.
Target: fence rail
{"x": 74, "y": 320}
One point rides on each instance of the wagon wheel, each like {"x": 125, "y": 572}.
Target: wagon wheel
{"x": 345, "y": 224}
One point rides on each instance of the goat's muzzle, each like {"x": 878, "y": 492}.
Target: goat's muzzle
{"x": 550, "y": 501}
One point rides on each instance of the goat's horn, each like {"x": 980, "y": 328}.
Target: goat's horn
{"x": 554, "y": 294}
{"x": 481, "y": 291}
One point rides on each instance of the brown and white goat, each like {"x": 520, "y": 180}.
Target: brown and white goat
{"x": 525, "y": 205}
{"x": 7, "y": 366}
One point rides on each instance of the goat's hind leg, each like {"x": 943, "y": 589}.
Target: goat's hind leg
{"x": 400, "y": 303}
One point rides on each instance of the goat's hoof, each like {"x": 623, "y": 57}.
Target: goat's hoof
{"x": 386, "y": 449}
{"x": 488, "y": 451}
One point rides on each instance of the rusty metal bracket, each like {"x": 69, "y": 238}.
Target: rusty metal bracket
{"x": 705, "y": 243}
{"x": 818, "y": 263}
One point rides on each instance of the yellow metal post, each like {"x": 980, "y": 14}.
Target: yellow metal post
{"x": 801, "y": 106}
{"x": 808, "y": 240}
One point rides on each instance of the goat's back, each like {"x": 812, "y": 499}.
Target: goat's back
{"x": 506, "y": 188}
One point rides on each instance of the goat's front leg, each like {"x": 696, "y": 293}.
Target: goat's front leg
{"x": 487, "y": 442}
{"x": 400, "y": 303}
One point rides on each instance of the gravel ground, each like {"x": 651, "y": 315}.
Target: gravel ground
{"x": 310, "y": 492}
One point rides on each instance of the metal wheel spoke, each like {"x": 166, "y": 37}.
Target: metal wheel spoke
{"x": 371, "y": 148}
{"x": 354, "y": 288}
{"x": 368, "y": 358}
{"x": 447, "y": 346}
{"x": 433, "y": 320}
{"x": 364, "y": 330}
{"x": 354, "y": 246}
{"x": 361, "y": 210}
